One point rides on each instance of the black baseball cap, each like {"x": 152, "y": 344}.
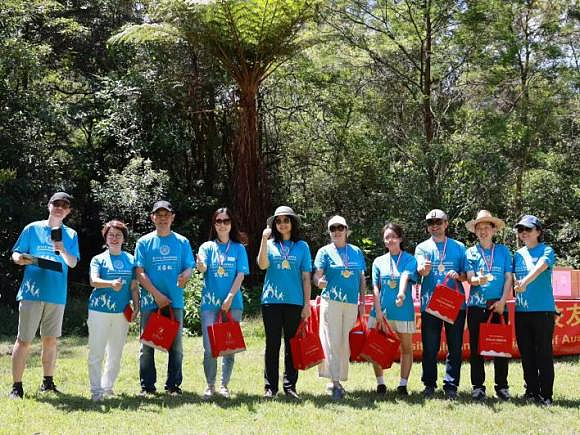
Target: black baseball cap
{"x": 60, "y": 196}
{"x": 162, "y": 204}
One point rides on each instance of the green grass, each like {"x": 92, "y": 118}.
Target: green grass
{"x": 246, "y": 412}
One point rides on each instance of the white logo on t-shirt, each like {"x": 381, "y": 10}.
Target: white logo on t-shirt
{"x": 164, "y": 250}
{"x": 118, "y": 264}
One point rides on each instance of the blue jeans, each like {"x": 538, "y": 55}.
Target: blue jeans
{"x": 210, "y": 363}
{"x": 431, "y": 337}
{"x": 147, "y": 371}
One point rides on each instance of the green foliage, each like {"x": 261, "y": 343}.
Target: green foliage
{"x": 192, "y": 298}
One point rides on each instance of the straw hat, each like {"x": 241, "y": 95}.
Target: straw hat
{"x": 484, "y": 216}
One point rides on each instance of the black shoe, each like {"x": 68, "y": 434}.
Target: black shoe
{"x": 544, "y": 401}
{"x": 16, "y": 393}
{"x": 146, "y": 392}
{"x": 428, "y": 392}
{"x": 381, "y": 389}
{"x": 174, "y": 391}
{"x": 451, "y": 394}
{"x": 292, "y": 394}
{"x": 402, "y": 390}
{"x": 48, "y": 387}
{"x": 269, "y": 394}
{"x": 530, "y": 397}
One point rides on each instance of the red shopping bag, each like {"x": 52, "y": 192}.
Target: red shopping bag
{"x": 306, "y": 348}
{"x": 128, "y": 312}
{"x": 314, "y": 318}
{"x": 357, "y": 338}
{"x": 160, "y": 331}
{"x": 495, "y": 339}
{"x": 445, "y": 302}
{"x": 381, "y": 347}
{"x": 225, "y": 338}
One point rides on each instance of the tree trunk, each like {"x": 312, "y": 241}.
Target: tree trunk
{"x": 252, "y": 205}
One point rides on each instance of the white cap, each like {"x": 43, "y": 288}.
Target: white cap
{"x": 436, "y": 214}
{"x": 339, "y": 220}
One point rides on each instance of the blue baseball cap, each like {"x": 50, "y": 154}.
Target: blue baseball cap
{"x": 529, "y": 221}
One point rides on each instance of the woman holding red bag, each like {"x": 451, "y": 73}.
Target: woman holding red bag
{"x": 393, "y": 275}
{"x": 224, "y": 262}
{"x": 285, "y": 296}
{"x": 340, "y": 274}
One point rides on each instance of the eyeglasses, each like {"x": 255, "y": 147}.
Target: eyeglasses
{"x": 432, "y": 222}
{"x": 526, "y": 229}
{"x": 61, "y": 204}
{"x": 225, "y": 221}
{"x": 282, "y": 220}
{"x": 334, "y": 228}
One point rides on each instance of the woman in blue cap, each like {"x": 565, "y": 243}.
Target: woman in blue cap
{"x": 535, "y": 309}
{"x": 285, "y": 296}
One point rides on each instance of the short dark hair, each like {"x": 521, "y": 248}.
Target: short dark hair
{"x": 235, "y": 233}
{"x": 294, "y": 234}
{"x": 118, "y": 225}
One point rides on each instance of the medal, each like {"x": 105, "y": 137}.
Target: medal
{"x": 285, "y": 253}
{"x": 346, "y": 273}
{"x": 285, "y": 264}
{"x": 221, "y": 271}
{"x": 489, "y": 265}
{"x": 441, "y": 267}
{"x": 392, "y": 267}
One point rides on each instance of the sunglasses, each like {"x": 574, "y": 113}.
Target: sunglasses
{"x": 432, "y": 222}
{"x": 225, "y": 221}
{"x": 61, "y": 204}
{"x": 527, "y": 230}
{"x": 283, "y": 220}
{"x": 334, "y": 228}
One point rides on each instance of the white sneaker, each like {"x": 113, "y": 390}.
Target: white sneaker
{"x": 209, "y": 392}
{"x": 107, "y": 394}
{"x": 224, "y": 392}
{"x": 97, "y": 397}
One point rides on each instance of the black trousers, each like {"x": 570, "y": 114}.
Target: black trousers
{"x": 280, "y": 319}
{"x": 534, "y": 331}
{"x": 475, "y": 317}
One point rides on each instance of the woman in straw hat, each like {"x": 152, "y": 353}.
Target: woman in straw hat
{"x": 340, "y": 274}
{"x": 535, "y": 309}
{"x": 489, "y": 271}
{"x": 285, "y": 296}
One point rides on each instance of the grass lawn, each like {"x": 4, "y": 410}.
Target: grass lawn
{"x": 246, "y": 412}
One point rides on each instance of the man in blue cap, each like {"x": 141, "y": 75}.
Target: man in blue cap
{"x": 46, "y": 249}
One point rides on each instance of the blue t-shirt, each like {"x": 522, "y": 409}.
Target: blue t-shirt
{"x": 384, "y": 270}
{"x": 474, "y": 262}
{"x": 40, "y": 284}
{"x": 539, "y": 295}
{"x": 343, "y": 282}
{"x": 110, "y": 267}
{"x": 217, "y": 282}
{"x": 454, "y": 260}
{"x": 163, "y": 259}
{"x": 283, "y": 282}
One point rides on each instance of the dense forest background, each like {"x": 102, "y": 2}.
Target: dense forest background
{"x": 375, "y": 110}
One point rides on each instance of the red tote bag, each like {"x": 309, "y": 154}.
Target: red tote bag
{"x": 357, "y": 338}
{"x": 495, "y": 339}
{"x": 160, "y": 331}
{"x": 445, "y": 302}
{"x": 306, "y": 348}
{"x": 225, "y": 338}
{"x": 381, "y": 347}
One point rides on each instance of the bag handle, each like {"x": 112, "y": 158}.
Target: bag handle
{"x": 447, "y": 278}
{"x": 302, "y": 328}
{"x": 171, "y": 316}
{"x": 361, "y": 321}
{"x": 228, "y": 315}
{"x": 502, "y": 320}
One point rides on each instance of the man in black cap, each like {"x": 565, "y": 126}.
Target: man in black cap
{"x": 46, "y": 249}
{"x": 164, "y": 262}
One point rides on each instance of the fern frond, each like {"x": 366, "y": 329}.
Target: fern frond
{"x": 137, "y": 34}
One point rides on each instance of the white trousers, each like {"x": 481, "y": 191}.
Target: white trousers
{"x": 107, "y": 333}
{"x": 336, "y": 321}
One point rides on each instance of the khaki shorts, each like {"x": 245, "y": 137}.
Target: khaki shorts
{"x": 401, "y": 326}
{"x": 33, "y": 313}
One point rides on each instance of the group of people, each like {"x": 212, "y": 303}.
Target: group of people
{"x": 154, "y": 278}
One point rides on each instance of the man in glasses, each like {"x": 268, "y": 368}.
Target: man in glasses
{"x": 438, "y": 258}
{"x": 164, "y": 262}
{"x": 46, "y": 249}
